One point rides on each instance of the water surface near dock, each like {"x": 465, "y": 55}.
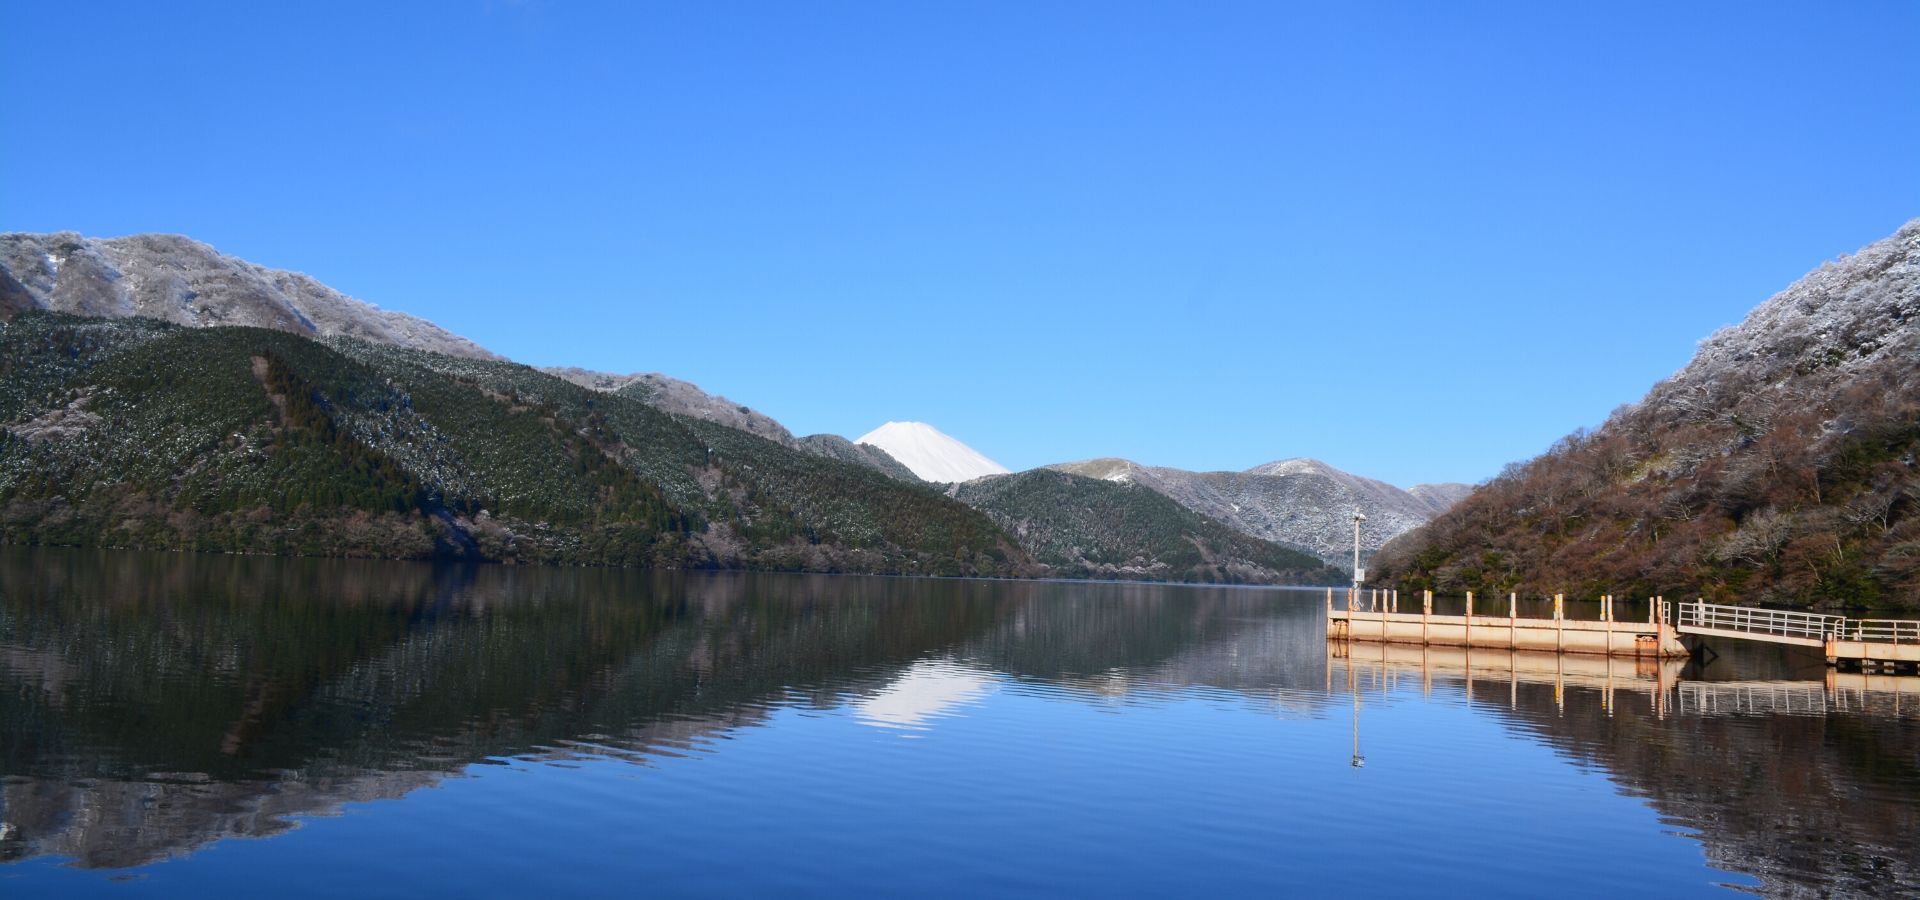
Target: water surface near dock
{"x": 398, "y": 729}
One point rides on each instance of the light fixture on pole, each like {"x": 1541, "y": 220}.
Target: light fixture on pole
{"x": 1359, "y": 574}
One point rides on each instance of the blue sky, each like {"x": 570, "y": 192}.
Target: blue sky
{"x": 1416, "y": 240}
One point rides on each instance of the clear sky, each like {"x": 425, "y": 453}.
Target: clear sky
{"x": 1415, "y": 240}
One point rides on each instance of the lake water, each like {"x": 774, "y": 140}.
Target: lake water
{"x": 200, "y": 726}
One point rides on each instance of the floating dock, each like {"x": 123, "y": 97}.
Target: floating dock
{"x": 1381, "y": 621}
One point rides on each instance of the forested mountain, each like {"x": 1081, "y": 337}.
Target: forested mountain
{"x": 681, "y": 398}
{"x": 134, "y": 433}
{"x": 1300, "y": 503}
{"x": 1781, "y": 465}
{"x": 1086, "y": 527}
{"x": 185, "y": 282}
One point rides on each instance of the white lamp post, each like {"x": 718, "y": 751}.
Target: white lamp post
{"x": 1359, "y": 574}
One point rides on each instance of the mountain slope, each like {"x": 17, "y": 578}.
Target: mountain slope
{"x": 1778, "y": 466}
{"x": 133, "y": 433}
{"x": 683, "y": 398}
{"x": 834, "y": 446}
{"x": 1301, "y": 503}
{"x": 182, "y": 281}
{"x": 929, "y": 453}
{"x": 1086, "y": 527}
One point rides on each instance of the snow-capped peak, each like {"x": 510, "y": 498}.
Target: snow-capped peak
{"x": 930, "y": 454}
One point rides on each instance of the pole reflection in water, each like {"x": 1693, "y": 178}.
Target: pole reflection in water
{"x": 1358, "y": 760}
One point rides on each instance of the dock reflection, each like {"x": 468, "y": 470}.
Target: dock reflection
{"x": 1490, "y": 673}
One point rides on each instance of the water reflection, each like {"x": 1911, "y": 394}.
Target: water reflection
{"x": 154, "y": 704}
{"x": 927, "y": 690}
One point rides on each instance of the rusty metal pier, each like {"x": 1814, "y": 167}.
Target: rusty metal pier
{"x": 1382, "y": 621}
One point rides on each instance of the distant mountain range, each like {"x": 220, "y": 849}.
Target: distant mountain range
{"x": 1087, "y": 527}
{"x": 1781, "y": 465}
{"x": 1302, "y": 503}
{"x": 182, "y": 282}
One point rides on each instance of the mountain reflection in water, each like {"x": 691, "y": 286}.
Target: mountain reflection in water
{"x": 153, "y": 705}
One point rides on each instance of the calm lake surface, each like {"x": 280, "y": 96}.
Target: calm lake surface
{"x": 196, "y": 726}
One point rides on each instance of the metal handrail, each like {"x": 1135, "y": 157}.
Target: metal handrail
{"x": 1885, "y": 631}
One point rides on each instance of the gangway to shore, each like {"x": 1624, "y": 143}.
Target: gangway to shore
{"x": 1871, "y": 644}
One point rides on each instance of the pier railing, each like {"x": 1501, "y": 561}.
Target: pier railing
{"x": 1888, "y": 631}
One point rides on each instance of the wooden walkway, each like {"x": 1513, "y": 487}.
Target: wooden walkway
{"x": 1892, "y": 644}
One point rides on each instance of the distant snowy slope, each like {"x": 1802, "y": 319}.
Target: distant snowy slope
{"x": 180, "y": 280}
{"x": 930, "y": 454}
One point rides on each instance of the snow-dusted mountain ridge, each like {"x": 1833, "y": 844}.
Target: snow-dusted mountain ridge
{"x": 180, "y": 280}
{"x": 932, "y": 455}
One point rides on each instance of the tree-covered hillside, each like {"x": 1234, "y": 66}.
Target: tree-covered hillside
{"x": 1781, "y": 466}
{"x": 1089, "y": 528}
{"x": 131, "y": 433}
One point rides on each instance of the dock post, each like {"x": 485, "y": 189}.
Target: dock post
{"x": 1513, "y": 621}
{"x": 1559, "y": 624}
{"x": 1426, "y": 611}
{"x": 1606, "y": 612}
{"x": 1469, "y": 637}
{"x": 1660, "y": 629}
